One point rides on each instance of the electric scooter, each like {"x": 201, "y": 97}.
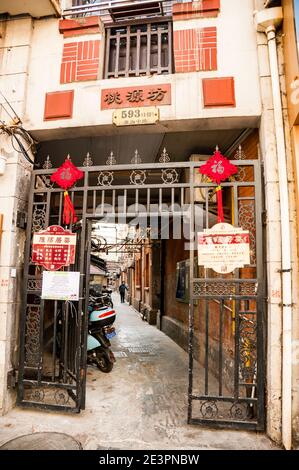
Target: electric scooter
{"x": 100, "y": 331}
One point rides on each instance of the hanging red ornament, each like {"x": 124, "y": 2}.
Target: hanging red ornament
{"x": 66, "y": 176}
{"x": 218, "y": 168}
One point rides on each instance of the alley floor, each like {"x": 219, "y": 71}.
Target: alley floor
{"x": 141, "y": 404}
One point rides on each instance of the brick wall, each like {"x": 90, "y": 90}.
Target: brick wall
{"x": 199, "y": 9}
{"x": 195, "y": 50}
{"x": 80, "y": 61}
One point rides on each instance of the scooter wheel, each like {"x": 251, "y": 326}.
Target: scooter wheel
{"x": 104, "y": 363}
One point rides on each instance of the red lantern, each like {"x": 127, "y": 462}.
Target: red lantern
{"x": 218, "y": 169}
{"x": 66, "y": 176}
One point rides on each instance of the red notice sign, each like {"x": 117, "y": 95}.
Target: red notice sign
{"x": 224, "y": 248}
{"x": 53, "y": 248}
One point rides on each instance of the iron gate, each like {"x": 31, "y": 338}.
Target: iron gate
{"x": 226, "y": 324}
{"x": 226, "y": 320}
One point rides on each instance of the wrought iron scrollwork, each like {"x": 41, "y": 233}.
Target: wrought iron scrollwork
{"x": 247, "y": 222}
{"x": 44, "y": 181}
{"x": 247, "y": 348}
{"x": 61, "y": 397}
{"x": 247, "y": 288}
{"x": 111, "y": 160}
{"x": 209, "y": 410}
{"x": 47, "y": 163}
{"x": 169, "y": 176}
{"x": 32, "y": 356}
{"x": 88, "y": 160}
{"x": 34, "y": 285}
{"x": 37, "y": 395}
{"x": 239, "y": 411}
{"x": 240, "y": 155}
{"x": 105, "y": 178}
{"x": 223, "y": 288}
{"x": 39, "y": 218}
{"x": 226, "y": 410}
{"x": 164, "y": 158}
{"x": 138, "y": 177}
{"x": 214, "y": 288}
{"x": 136, "y": 160}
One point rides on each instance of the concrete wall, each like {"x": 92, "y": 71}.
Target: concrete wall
{"x": 236, "y": 49}
{"x": 273, "y": 248}
{"x": 14, "y": 188}
{"x": 291, "y": 61}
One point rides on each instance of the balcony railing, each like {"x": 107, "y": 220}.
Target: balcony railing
{"x": 116, "y": 10}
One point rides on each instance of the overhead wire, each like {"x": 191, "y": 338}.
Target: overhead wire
{"x": 18, "y": 135}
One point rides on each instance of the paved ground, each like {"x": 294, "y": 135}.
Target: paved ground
{"x": 141, "y": 404}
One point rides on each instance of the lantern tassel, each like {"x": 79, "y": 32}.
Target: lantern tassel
{"x": 220, "y": 205}
{"x": 69, "y": 214}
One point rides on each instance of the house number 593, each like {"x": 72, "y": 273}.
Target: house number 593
{"x": 130, "y": 114}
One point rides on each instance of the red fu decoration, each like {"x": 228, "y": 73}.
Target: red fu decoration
{"x": 66, "y": 176}
{"x": 218, "y": 169}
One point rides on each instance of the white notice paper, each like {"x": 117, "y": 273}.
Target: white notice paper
{"x": 60, "y": 285}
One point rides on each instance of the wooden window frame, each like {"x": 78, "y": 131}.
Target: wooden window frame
{"x": 127, "y": 36}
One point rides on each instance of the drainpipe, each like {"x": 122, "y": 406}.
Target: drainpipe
{"x": 267, "y": 21}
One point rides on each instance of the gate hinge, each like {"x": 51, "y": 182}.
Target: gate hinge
{"x": 12, "y": 378}
{"x": 264, "y": 217}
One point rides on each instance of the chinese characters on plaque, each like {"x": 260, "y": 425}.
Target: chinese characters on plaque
{"x": 147, "y": 95}
{"x": 223, "y": 248}
{"x": 53, "y": 248}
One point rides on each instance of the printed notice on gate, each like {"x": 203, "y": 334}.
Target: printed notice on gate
{"x": 60, "y": 285}
{"x": 224, "y": 248}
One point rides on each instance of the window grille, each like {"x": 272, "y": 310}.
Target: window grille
{"x": 136, "y": 50}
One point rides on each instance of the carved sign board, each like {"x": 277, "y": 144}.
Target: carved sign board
{"x": 135, "y": 116}
{"x": 136, "y": 97}
{"x": 53, "y": 248}
{"x": 223, "y": 248}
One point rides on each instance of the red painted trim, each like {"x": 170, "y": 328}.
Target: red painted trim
{"x": 80, "y": 61}
{"x": 205, "y": 8}
{"x": 195, "y": 49}
{"x": 219, "y": 92}
{"x": 80, "y": 26}
{"x": 59, "y": 105}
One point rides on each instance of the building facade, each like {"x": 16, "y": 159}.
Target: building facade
{"x": 109, "y": 87}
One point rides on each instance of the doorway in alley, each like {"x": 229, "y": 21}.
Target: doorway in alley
{"x": 222, "y": 314}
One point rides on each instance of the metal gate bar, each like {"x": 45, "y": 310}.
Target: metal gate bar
{"x": 209, "y": 294}
{"x": 243, "y": 405}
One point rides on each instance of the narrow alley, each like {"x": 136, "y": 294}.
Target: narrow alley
{"x": 141, "y": 404}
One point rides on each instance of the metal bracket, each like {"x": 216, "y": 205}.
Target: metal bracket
{"x": 12, "y": 378}
{"x": 286, "y": 305}
{"x": 264, "y": 217}
{"x": 21, "y": 219}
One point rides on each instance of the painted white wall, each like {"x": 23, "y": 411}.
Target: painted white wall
{"x": 273, "y": 244}
{"x": 14, "y": 190}
{"x": 237, "y": 57}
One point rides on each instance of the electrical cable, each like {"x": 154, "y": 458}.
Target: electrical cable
{"x": 7, "y": 102}
{"x": 16, "y": 132}
{"x": 13, "y": 132}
